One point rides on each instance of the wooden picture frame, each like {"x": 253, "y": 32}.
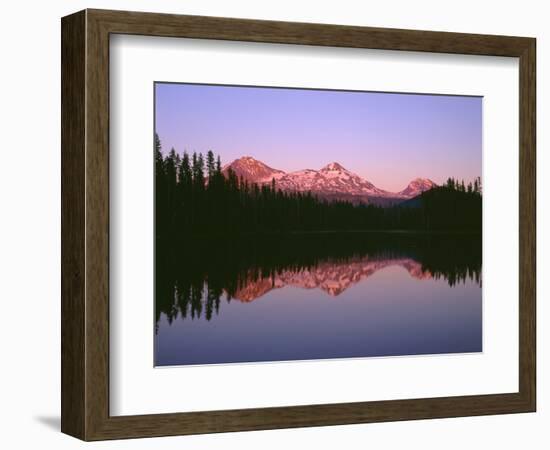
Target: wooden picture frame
{"x": 85, "y": 224}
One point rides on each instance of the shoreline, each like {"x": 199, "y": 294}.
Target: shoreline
{"x": 472, "y": 233}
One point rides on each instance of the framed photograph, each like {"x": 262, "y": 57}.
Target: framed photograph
{"x": 272, "y": 224}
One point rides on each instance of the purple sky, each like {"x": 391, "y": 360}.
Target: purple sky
{"x": 389, "y": 139}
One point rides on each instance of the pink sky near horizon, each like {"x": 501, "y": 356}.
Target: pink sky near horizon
{"x": 386, "y": 138}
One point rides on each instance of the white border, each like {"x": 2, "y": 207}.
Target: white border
{"x": 138, "y": 388}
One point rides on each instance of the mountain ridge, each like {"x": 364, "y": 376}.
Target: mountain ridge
{"x": 333, "y": 181}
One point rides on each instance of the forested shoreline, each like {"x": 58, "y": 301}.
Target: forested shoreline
{"x": 192, "y": 195}
{"x": 195, "y": 285}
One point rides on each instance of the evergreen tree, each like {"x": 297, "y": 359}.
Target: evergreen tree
{"x": 159, "y": 161}
{"x": 186, "y": 203}
{"x": 210, "y": 164}
{"x": 171, "y": 167}
{"x": 198, "y": 171}
{"x": 185, "y": 176}
{"x": 160, "y": 190}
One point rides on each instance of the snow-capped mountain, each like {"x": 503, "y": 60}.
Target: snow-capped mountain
{"x": 331, "y": 179}
{"x": 253, "y": 170}
{"x": 332, "y": 182}
{"x": 416, "y": 187}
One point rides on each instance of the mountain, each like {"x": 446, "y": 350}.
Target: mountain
{"x": 253, "y": 170}
{"x": 333, "y": 182}
{"x": 333, "y": 179}
{"x": 416, "y": 187}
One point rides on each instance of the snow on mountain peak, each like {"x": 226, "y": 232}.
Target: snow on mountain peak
{"x": 333, "y": 166}
{"x": 253, "y": 170}
{"x": 332, "y": 181}
{"x": 417, "y": 186}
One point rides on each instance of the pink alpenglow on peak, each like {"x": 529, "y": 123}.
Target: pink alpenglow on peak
{"x": 333, "y": 181}
{"x": 417, "y": 186}
{"x": 333, "y": 167}
{"x": 253, "y": 170}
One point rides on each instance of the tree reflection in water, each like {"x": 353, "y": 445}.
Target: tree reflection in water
{"x": 195, "y": 275}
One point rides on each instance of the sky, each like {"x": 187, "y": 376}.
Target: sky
{"x": 387, "y": 138}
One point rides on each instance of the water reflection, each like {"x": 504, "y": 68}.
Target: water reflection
{"x": 193, "y": 278}
{"x": 205, "y": 279}
{"x": 331, "y": 277}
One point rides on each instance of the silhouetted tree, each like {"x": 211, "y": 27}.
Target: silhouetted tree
{"x": 188, "y": 200}
{"x": 210, "y": 164}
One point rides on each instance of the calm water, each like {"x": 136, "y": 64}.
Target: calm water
{"x": 317, "y": 296}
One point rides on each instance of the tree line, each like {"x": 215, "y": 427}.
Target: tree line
{"x": 472, "y": 188}
{"x": 195, "y": 286}
{"x": 193, "y": 195}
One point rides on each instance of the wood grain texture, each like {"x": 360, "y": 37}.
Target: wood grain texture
{"x": 97, "y": 225}
{"x": 73, "y": 109}
{"x": 151, "y": 24}
{"x": 527, "y": 223}
{"x": 85, "y": 224}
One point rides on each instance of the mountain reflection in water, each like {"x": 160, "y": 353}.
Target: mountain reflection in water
{"x": 332, "y": 278}
{"x": 204, "y": 280}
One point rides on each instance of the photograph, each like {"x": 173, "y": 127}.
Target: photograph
{"x": 310, "y": 224}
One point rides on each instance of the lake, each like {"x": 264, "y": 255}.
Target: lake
{"x": 316, "y": 296}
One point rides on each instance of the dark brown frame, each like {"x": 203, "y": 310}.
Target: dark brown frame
{"x": 85, "y": 224}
